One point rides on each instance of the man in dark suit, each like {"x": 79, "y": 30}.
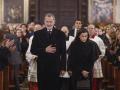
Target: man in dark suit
{"x": 50, "y": 47}
{"x": 77, "y": 26}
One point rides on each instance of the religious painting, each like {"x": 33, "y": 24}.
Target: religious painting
{"x": 13, "y": 11}
{"x": 101, "y": 11}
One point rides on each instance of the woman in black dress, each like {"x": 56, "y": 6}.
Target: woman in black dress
{"x": 82, "y": 55}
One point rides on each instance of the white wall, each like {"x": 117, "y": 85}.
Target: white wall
{"x": 1, "y": 11}
{"x": 26, "y": 10}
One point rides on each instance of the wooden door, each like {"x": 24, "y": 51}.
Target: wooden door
{"x": 65, "y": 11}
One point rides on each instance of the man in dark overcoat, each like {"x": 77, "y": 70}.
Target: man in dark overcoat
{"x": 50, "y": 47}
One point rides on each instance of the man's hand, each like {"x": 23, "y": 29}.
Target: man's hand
{"x": 50, "y": 49}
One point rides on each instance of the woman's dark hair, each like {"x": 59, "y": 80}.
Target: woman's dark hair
{"x": 77, "y": 39}
{"x": 82, "y": 30}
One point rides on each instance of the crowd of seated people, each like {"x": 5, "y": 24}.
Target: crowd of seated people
{"x": 15, "y": 41}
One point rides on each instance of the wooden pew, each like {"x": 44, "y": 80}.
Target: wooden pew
{"x": 6, "y": 77}
{"x": 10, "y": 77}
{"x": 105, "y": 73}
{"x": 1, "y": 80}
{"x": 113, "y": 78}
{"x": 104, "y": 67}
{"x": 118, "y": 80}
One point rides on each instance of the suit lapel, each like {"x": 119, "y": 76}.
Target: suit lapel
{"x": 50, "y": 39}
{"x": 45, "y": 36}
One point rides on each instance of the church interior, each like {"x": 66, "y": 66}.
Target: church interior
{"x": 22, "y": 18}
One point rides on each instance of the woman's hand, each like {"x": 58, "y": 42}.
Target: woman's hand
{"x": 85, "y": 73}
{"x": 62, "y": 72}
{"x": 8, "y": 43}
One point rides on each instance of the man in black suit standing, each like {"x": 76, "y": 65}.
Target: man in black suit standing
{"x": 50, "y": 47}
{"x": 77, "y": 26}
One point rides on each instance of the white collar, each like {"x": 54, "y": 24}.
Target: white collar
{"x": 49, "y": 30}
